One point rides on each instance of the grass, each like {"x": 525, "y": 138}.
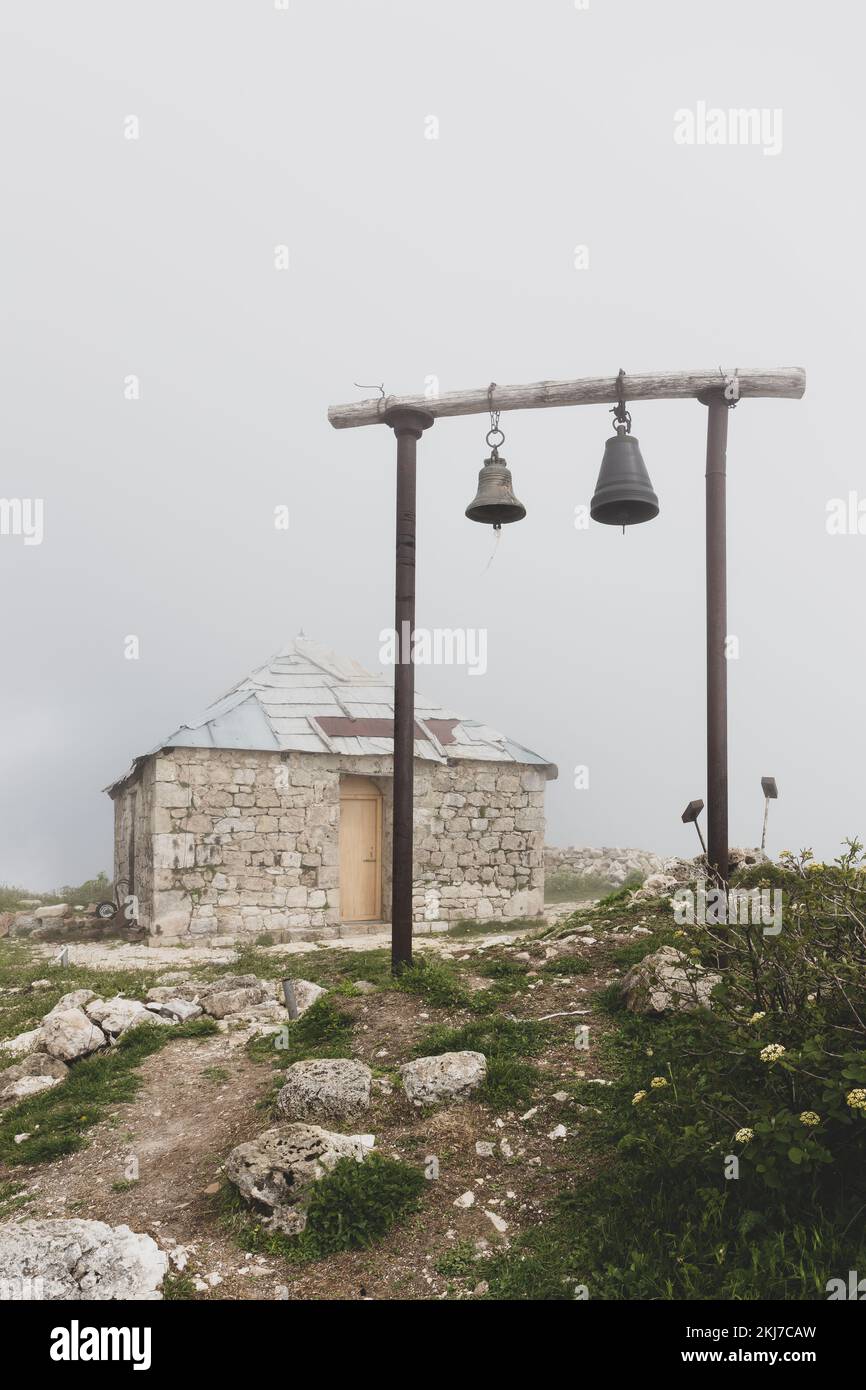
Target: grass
{"x": 459, "y": 1262}
{"x": 350, "y": 1208}
{"x": 56, "y": 1121}
{"x": 19, "y": 968}
{"x": 506, "y": 1043}
{"x": 568, "y": 965}
{"x": 13, "y": 1196}
{"x": 180, "y": 1285}
{"x": 96, "y": 889}
{"x": 325, "y": 1030}
{"x": 217, "y": 1075}
{"x": 657, "y": 1219}
{"x": 435, "y": 982}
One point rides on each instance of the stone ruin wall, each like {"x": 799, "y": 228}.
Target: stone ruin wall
{"x": 612, "y": 866}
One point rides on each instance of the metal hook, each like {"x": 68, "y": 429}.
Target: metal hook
{"x": 622, "y": 418}
{"x": 732, "y": 387}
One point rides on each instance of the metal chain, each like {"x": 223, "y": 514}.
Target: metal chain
{"x": 494, "y": 423}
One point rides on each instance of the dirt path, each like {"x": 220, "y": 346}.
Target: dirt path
{"x": 198, "y": 1100}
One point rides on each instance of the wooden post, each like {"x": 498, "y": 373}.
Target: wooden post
{"x": 408, "y": 426}
{"x": 717, "y": 623}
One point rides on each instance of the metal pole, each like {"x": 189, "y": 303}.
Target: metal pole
{"x": 764, "y": 831}
{"x": 717, "y": 622}
{"x": 408, "y": 425}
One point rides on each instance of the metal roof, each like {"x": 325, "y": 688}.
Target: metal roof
{"x": 279, "y": 707}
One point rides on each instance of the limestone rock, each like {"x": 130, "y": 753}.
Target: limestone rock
{"x": 746, "y": 859}
{"x": 325, "y": 1086}
{"x": 23, "y": 924}
{"x": 45, "y": 914}
{"x": 80, "y": 1260}
{"x": 275, "y": 1171}
{"x": 23, "y": 1044}
{"x": 75, "y": 999}
{"x": 667, "y": 980}
{"x": 221, "y": 1001}
{"x": 115, "y": 1015}
{"x": 70, "y": 1034}
{"x": 306, "y": 994}
{"x": 38, "y": 1072}
{"x": 450, "y": 1076}
{"x": 175, "y": 1010}
{"x": 656, "y": 886}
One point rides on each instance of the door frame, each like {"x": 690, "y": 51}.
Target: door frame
{"x": 356, "y": 787}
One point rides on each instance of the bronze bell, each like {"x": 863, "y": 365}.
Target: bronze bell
{"x": 623, "y": 494}
{"x": 495, "y": 503}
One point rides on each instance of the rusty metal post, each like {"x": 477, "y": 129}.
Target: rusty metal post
{"x": 408, "y": 425}
{"x": 717, "y": 623}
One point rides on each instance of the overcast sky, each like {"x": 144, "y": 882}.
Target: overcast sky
{"x": 308, "y": 126}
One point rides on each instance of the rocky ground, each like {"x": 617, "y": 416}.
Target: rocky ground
{"x": 156, "y": 1162}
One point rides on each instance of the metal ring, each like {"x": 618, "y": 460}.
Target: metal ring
{"x": 495, "y": 430}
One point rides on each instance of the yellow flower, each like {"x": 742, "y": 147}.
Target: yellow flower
{"x": 638, "y": 1097}
{"x": 744, "y": 1136}
{"x": 856, "y": 1099}
{"x": 658, "y": 1081}
{"x": 773, "y": 1052}
{"x": 809, "y": 1118}
{"x": 756, "y": 1018}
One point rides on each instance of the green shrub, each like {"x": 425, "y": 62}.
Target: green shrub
{"x": 357, "y": 1203}
{"x": 774, "y": 1078}
{"x": 349, "y": 1209}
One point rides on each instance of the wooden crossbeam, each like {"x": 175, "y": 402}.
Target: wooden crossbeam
{"x": 788, "y": 383}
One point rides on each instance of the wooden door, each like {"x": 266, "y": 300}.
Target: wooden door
{"x": 360, "y": 850}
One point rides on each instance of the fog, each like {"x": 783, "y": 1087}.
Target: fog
{"x": 429, "y": 174}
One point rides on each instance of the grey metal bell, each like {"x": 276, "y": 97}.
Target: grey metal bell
{"x": 495, "y": 503}
{"x": 623, "y": 494}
